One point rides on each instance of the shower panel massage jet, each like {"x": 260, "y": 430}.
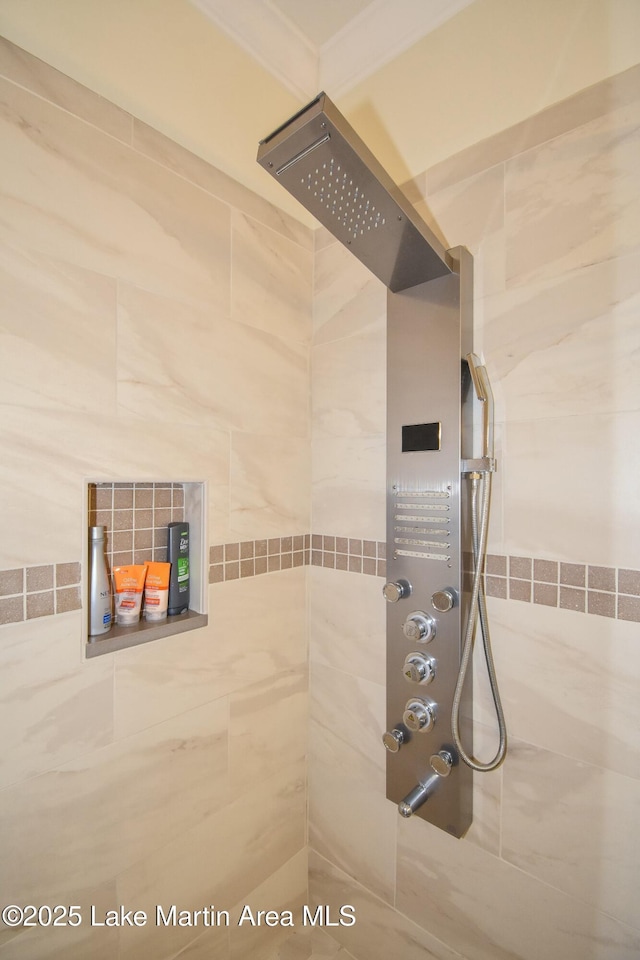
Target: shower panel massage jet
{"x": 437, "y": 492}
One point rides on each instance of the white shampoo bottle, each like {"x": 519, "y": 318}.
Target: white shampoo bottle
{"x": 99, "y": 588}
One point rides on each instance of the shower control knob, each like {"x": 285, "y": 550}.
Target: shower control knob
{"x": 393, "y": 740}
{"x": 443, "y": 600}
{"x": 419, "y": 627}
{"x": 396, "y": 590}
{"x": 441, "y": 763}
{"x": 419, "y": 715}
{"x": 418, "y": 668}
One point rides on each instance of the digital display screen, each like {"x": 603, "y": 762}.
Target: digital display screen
{"x": 421, "y": 436}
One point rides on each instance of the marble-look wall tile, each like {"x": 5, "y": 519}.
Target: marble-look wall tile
{"x": 584, "y": 106}
{"x": 72, "y": 942}
{"x": 218, "y": 861}
{"x": 184, "y": 363}
{"x": 348, "y": 299}
{"x": 574, "y": 200}
{"x": 471, "y": 214}
{"x": 553, "y": 674}
{"x": 106, "y": 809}
{"x": 547, "y": 464}
{"x": 351, "y": 708}
{"x": 160, "y": 680}
{"x": 207, "y": 947}
{"x": 566, "y": 346}
{"x": 42, "y": 79}
{"x": 349, "y": 486}
{"x": 269, "y": 492}
{"x": 271, "y": 281}
{"x": 56, "y": 707}
{"x": 46, "y": 521}
{"x": 380, "y": 931}
{"x": 284, "y": 890}
{"x": 267, "y": 721}
{"x": 347, "y": 807}
{"x": 348, "y": 384}
{"x": 573, "y": 825}
{"x": 488, "y": 909}
{"x": 112, "y": 210}
{"x": 485, "y": 830}
{"x": 67, "y": 362}
{"x": 347, "y": 623}
{"x": 158, "y": 147}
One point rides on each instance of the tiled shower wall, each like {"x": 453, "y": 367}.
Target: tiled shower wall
{"x": 551, "y": 865}
{"x": 113, "y": 239}
{"x": 155, "y": 323}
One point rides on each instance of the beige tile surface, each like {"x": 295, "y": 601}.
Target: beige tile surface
{"x": 347, "y": 298}
{"x": 159, "y": 680}
{"x": 267, "y": 722}
{"x": 574, "y": 200}
{"x": 219, "y": 860}
{"x": 380, "y": 932}
{"x": 185, "y": 363}
{"x": 271, "y": 281}
{"x": 585, "y": 842}
{"x": 55, "y": 706}
{"x": 42, "y": 79}
{"x": 106, "y": 809}
{"x": 349, "y": 485}
{"x": 76, "y": 942}
{"x": 171, "y": 155}
{"x": 348, "y": 395}
{"x": 347, "y": 623}
{"x": 284, "y": 892}
{"x": 269, "y": 476}
{"x": 565, "y": 346}
{"x": 112, "y": 211}
{"x": 351, "y": 708}
{"x": 67, "y": 362}
{"x": 553, "y": 667}
{"x": 484, "y": 907}
{"x": 471, "y": 214}
{"x": 70, "y": 447}
{"x": 347, "y": 807}
{"x": 545, "y": 470}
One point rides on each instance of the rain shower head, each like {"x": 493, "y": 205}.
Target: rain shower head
{"x": 321, "y": 161}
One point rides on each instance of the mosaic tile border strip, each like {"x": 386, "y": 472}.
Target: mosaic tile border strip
{"x": 586, "y": 588}
{"x": 27, "y": 593}
{"x": 249, "y": 558}
{"x": 356, "y": 556}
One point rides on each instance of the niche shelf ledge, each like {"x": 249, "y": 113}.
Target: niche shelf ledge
{"x": 120, "y": 638}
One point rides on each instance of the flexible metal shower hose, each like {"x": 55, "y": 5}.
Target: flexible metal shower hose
{"x": 478, "y": 606}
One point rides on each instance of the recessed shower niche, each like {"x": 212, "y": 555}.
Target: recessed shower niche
{"x": 136, "y": 516}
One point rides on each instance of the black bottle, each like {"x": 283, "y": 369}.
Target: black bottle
{"x": 178, "y": 557}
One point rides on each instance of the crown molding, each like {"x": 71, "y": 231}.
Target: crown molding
{"x": 382, "y": 31}
{"x": 260, "y": 28}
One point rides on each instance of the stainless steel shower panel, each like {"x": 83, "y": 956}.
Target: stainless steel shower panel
{"x": 318, "y": 157}
{"x": 428, "y": 433}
